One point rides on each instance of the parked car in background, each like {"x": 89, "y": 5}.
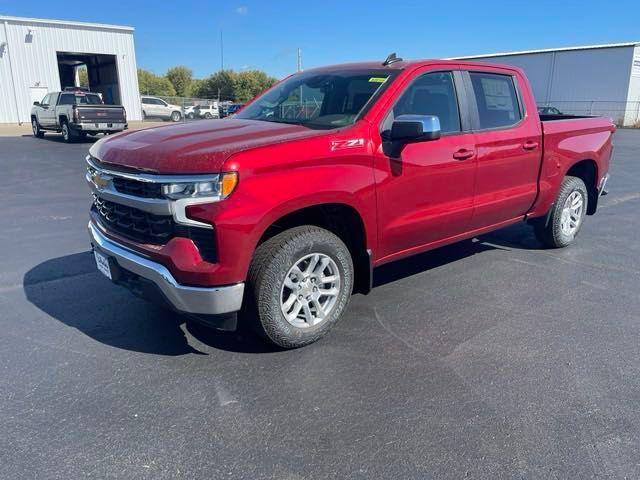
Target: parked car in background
{"x": 76, "y": 113}
{"x": 286, "y": 210}
{"x": 207, "y": 111}
{"x": 549, "y": 111}
{"x": 231, "y": 109}
{"x": 189, "y": 112}
{"x": 154, "y": 107}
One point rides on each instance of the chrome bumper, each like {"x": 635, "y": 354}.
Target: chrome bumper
{"x": 95, "y": 127}
{"x": 196, "y": 300}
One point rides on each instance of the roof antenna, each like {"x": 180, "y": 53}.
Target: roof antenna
{"x": 392, "y": 58}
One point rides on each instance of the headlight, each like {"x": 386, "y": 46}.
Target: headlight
{"x": 219, "y": 188}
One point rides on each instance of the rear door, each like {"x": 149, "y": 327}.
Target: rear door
{"x": 426, "y": 194}
{"x": 508, "y": 142}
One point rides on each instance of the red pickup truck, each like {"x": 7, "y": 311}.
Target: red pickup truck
{"x": 285, "y": 209}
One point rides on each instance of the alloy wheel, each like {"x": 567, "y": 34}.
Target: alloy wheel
{"x": 310, "y": 290}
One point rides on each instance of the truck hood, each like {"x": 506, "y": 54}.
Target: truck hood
{"x": 194, "y": 147}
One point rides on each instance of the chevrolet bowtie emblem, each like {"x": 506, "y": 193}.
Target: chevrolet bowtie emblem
{"x": 100, "y": 180}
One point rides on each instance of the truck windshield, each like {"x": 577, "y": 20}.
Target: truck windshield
{"x": 329, "y": 99}
{"x": 79, "y": 99}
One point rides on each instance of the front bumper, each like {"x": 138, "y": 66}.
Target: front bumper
{"x": 184, "y": 298}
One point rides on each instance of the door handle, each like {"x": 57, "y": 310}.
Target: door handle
{"x": 463, "y": 154}
{"x": 530, "y": 145}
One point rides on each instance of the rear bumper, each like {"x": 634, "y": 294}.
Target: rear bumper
{"x": 183, "y": 298}
{"x": 100, "y": 127}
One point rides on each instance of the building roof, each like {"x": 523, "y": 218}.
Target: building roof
{"x": 549, "y": 50}
{"x": 47, "y": 21}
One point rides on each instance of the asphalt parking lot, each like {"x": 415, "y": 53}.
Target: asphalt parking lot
{"x": 492, "y": 358}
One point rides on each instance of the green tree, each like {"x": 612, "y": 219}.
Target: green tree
{"x": 222, "y": 83}
{"x": 151, "y": 84}
{"x": 238, "y": 87}
{"x": 194, "y": 87}
{"x": 180, "y": 78}
{"x": 83, "y": 76}
{"x": 250, "y": 83}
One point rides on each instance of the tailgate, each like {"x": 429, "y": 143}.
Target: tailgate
{"x": 100, "y": 114}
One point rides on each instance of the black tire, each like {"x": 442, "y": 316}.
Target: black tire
{"x": 190, "y": 116}
{"x": 271, "y": 262}
{"x": 68, "y": 134}
{"x": 208, "y": 116}
{"x": 35, "y": 128}
{"x": 176, "y": 116}
{"x": 551, "y": 234}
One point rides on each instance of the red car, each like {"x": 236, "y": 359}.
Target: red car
{"x": 284, "y": 210}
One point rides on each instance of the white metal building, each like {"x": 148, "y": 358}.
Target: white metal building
{"x": 39, "y": 56}
{"x": 598, "y": 79}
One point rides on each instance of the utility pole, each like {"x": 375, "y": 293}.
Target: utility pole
{"x": 221, "y": 52}
{"x": 299, "y": 59}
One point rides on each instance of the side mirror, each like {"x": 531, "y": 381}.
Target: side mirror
{"x": 36, "y": 103}
{"x": 415, "y": 128}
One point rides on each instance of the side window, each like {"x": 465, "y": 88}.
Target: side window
{"x": 45, "y": 100}
{"x": 67, "y": 99}
{"x": 431, "y": 94}
{"x": 496, "y": 99}
{"x": 145, "y": 101}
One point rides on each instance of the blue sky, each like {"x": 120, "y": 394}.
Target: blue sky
{"x": 266, "y": 34}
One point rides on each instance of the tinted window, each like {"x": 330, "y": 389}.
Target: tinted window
{"x": 146, "y": 101}
{"x": 321, "y": 99}
{"x": 497, "y": 100}
{"x": 79, "y": 99}
{"x": 430, "y": 94}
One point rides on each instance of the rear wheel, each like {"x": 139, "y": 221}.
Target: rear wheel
{"x": 35, "y": 127}
{"x": 68, "y": 135}
{"x": 566, "y": 216}
{"x": 208, "y": 115}
{"x": 300, "y": 282}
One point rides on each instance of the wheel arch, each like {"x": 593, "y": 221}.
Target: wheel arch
{"x": 343, "y": 220}
{"x": 587, "y": 171}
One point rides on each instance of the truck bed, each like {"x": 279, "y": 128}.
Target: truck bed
{"x": 567, "y": 138}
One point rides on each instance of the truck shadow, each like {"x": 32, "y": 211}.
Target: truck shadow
{"x": 515, "y": 237}
{"x": 71, "y": 290}
{"x": 57, "y": 138}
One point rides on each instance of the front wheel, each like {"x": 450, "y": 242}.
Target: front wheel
{"x": 300, "y": 282}
{"x": 176, "y": 116}
{"x": 35, "y": 127}
{"x": 566, "y": 216}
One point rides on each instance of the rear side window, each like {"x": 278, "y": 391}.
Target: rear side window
{"x": 496, "y": 99}
{"x": 431, "y": 94}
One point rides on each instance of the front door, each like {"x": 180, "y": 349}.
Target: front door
{"x": 425, "y": 194}
{"x": 47, "y": 111}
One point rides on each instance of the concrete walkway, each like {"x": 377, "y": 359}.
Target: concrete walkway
{"x": 15, "y": 130}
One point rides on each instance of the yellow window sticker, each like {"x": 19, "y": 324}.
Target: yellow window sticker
{"x": 378, "y": 79}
